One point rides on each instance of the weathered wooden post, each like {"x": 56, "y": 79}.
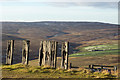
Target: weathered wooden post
{"x": 52, "y": 53}
{"x": 70, "y": 65}
{"x": 64, "y": 55}
{"x": 45, "y": 53}
{"x": 92, "y": 66}
{"x": 48, "y": 53}
{"x": 101, "y": 67}
{"x": 89, "y": 66}
{"x": 55, "y": 53}
{"x": 10, "y": 51}
{"x": 25, "y": 52}
{"x": 115, "y": 68}
{"x": 40, "y": 54}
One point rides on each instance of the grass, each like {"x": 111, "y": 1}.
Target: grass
{"x": 22, "y": 71}
{"x": 97, "y": 50}
{"x": 95, "y": 53}
{"x": 100, "y": 47}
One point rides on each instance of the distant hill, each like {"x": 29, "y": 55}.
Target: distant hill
{"x": 77, "y": 33}
{"x": 13, "y": 27}
{"x": 51, "y": 29}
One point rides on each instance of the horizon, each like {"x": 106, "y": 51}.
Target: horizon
{"x": 61, "y": 21}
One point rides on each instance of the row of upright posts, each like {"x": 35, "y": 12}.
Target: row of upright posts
{"x": 47, "y": 53}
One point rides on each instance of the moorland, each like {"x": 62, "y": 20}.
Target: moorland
{"x": 90, "y": 42}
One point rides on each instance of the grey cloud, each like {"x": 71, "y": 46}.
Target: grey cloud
{"x": 91, "y": 4}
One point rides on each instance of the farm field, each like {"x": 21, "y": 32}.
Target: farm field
{"x": 98, "y": 50}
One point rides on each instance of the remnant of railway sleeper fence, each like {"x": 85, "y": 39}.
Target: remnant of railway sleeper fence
{"x": 47, "y": 53}
{"x": 102, "y": 67}
{"x": 71, "y": 66}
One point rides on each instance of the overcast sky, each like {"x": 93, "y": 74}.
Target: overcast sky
{"x": 60, "y": 11}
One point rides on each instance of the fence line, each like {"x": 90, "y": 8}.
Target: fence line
{"x": 102, "y": 67}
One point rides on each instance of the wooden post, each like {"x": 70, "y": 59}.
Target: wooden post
{"x": 101, "y": 67}
{"x": 52, "y": 54}
{"x": 92, "y": 66}
{"x": 44, "y": 52}
{"x": 40, "y": 54}
{"x": 115, "y": 68}
{"x": 48, "y": 53}
{"x": 70, "y": 65}
{"x": 25, "y": 52}
{"x": 89, "y": 66}
{"x": 10, "y": 51}
{"x": 55, "y": 54}
{"x": 64, "y": 55}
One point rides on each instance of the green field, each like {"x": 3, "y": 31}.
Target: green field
{"x": 97, "y": 50}
{"x": 100, "y": 47}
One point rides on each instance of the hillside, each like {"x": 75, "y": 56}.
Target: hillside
{"x": 79, "y": 34}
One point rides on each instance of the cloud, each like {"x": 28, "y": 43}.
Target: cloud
{"x": 90, "y": 4}
{"x": 113, "y": 5}
{"x": 8, "y": 0}
{"x": 69, "y": 3}
{"x": 64, "y": 0}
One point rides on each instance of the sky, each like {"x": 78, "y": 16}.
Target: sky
{"x": 106, "y": 12}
